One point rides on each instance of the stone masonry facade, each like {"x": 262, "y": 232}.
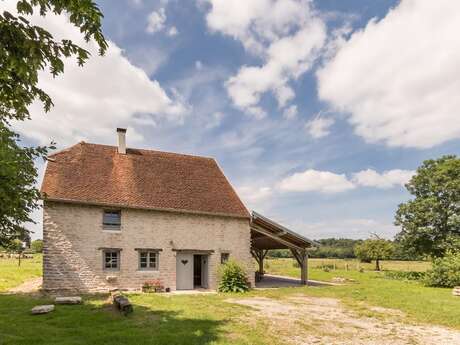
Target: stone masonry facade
{"x": 74, "y": 235}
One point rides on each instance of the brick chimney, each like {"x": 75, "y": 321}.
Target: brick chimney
{"x": 121, "y": 140}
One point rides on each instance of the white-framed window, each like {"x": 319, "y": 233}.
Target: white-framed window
{"x": 111, "y": 259}
{"x": 111, "y": 220}
{"x": 224, "y": 257}
{"x": 148, "y": 260}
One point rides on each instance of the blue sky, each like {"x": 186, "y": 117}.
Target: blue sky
{"x": 317, "y": 111}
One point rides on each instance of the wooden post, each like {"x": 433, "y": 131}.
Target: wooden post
{"x": 259, "y": 255}
{"x": 304, "y": 268}
{"x": 261, "y": 262}
{"x": 302, "y": 259}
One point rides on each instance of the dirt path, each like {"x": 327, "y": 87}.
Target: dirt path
{"x": 302, "y": 320}
{"x": 29, "y": 286}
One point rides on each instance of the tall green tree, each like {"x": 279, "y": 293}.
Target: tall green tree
{"x": 374, "y": 249}
{"x": 431, "y": 221}
{"x": 25, "y": 50}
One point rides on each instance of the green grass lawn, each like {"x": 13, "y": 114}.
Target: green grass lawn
{"x": 203, "y": 319}
{"x": 423, "y": 304}
{"x": 12, "y": 275}
{"x": 156, "y": 319}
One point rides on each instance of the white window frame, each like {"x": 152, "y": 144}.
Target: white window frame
{"x": 149, "y": 254}
{"x": 104, "y": 260}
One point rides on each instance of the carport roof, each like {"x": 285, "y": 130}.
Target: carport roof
{"x": 267, "y": 234}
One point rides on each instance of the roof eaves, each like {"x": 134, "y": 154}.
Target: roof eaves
{"x": 173, "y": 210}
{"x": 293, "y": 233}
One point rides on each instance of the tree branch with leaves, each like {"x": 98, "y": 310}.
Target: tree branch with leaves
{"x": 25, "y": 50}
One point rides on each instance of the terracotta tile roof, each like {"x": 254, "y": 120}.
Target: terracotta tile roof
{"x": 98, "y": 174}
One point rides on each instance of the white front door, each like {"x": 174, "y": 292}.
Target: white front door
{"x": 184, "y": 271}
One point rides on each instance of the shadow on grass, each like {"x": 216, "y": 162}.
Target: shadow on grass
{"x": 96, "y": 322}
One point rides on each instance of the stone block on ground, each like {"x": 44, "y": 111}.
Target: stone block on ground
{"x": 42, "y": 309}
{"x": 68, "y": 300}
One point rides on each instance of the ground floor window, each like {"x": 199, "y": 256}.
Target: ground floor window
{"x": 148, "y": 260}
{"x": 111, "y": 259}
{"x": 224, "y": 257}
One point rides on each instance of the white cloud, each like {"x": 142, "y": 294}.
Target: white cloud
{"x": 387, "y": 179}
{"x": 319, "y": 127}
{"x": 290, "y": 113}
{"x": 214, "y": 120}
{"x": 173, "y": 31}
{"x": 149, "y": 58}
{"x": 399, "y": 77}
{"x": 316, "y": 181}
{"x": 156, "y": 21}
{"x": 250, "y": 193}
{"x": 198, "y": 65}
{"x": 255, "y": 197}
{"x": 327, "y": 182}
{"x": 90, "y": 102}
{"x": 285, "y": 34}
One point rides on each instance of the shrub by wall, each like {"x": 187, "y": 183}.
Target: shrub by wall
{"x": 233, "y": 278}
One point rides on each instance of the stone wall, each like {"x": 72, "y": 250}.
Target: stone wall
{"x": 73, "y": 235}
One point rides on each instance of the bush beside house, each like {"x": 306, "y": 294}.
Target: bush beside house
{"x": 233, "y": 278}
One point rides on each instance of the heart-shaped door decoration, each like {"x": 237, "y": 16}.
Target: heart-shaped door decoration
{"x": 184, "y": 262}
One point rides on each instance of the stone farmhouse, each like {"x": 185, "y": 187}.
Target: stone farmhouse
{"x": 115, "y": 217}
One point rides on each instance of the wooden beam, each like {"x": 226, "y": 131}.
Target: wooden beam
{"x": 254, "y": 255}
{"x": 264, "y": 253}
{"x": 275, "y": 237}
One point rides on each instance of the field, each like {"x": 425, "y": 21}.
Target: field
{"x": 424, "y": 304}
{"x": 281, "y": 265}
{"x": 234, "y": 319}
{"x": 11, "y": 275}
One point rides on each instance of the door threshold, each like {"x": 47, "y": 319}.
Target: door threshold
{"x": 190, "y": 292}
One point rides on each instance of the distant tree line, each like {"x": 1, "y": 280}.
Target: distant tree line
{"x": 346, "y": 248}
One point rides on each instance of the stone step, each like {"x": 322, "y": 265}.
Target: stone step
{"x": 456, "y": 291}
{"x": 68, "y": 300}
{"x": 42, "y": 309}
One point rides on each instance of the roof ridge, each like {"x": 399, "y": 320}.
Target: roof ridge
{"x": 65, "y": 149}
{"x": 138, "y": 149}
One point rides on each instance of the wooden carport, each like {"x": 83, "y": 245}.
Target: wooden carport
{"x": 267, "y": 234}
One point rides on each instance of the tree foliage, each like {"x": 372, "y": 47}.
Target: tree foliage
{"x": 37, "y": 246}
{"x": 25, "y": 50}
{"x": 341, "y": 248}
{"x": 431, "y": 221}
{"x": 374, "y": 249}
{"x": 18, "y": 194}
{"x": 445, "y": 271}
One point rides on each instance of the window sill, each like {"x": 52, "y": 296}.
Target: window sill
{"x": 147, "y": 271}
{"x": 112, "y": 231}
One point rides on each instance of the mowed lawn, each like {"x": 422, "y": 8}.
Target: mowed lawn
{"x": 12, "y": 275}
{"x": 202, "y": 319}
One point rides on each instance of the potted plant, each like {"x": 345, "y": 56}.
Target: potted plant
{"x": 153, "y": 285}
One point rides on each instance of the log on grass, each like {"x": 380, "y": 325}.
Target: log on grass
{"x": 122, "y": 303}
